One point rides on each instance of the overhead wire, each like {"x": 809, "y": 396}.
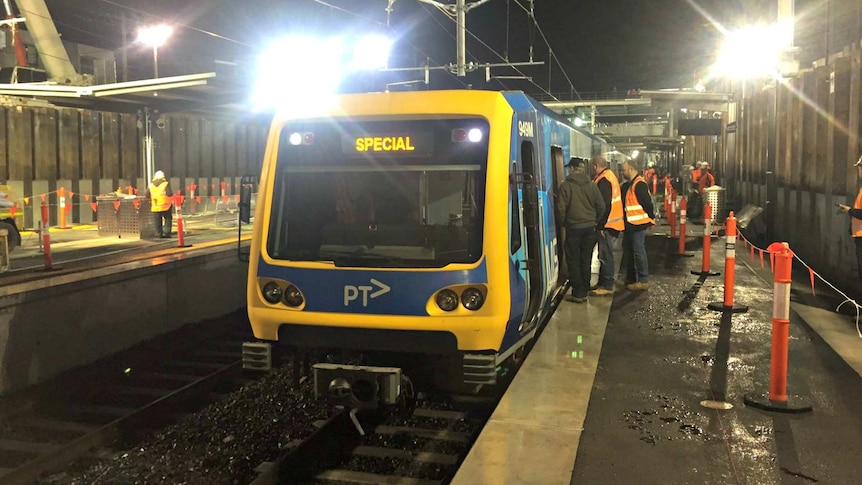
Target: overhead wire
{"x": 554, "y": 56}
{"x": 443, "y": 27}
{"x": 173, "y": 22}
{"x": 493, "y": 51}
{"x": 391, "y": 30}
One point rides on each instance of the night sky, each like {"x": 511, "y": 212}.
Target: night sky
{"x": 602, "y": 44}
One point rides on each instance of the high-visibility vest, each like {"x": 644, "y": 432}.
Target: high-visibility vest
{"x": 615, "y": 218}
{"x": 160, "y": 201}
{"x": 695, "y": 175}
{"x": 856, "y": 224}
{"x": 706, "y": 180}
{"x": 635, "y": 213}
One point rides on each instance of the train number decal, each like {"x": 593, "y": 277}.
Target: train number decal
{"x": 525, "y": 128}
{"x": 351, "y": 292}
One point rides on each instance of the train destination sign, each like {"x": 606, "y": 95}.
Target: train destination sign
{"x": 394, "y": 143}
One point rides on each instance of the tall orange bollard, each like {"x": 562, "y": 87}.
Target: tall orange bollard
{"x": 729, "y": 271}
{"x": 672, "y": 215}
{"x": 61, "y": 205}
{"x": 683, "y": 206}
{"x": 777, "y": 398}
{"x": 46, "y": 237}
{"x": 707, "y": 243}
{"x": 181, "y": 228}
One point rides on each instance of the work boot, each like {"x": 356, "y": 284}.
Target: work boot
{"x": 601, "y": 292}
{"x": 621, "y": 282}
{"x": 637, "y": 286}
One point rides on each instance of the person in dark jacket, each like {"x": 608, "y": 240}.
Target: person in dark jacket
{"x": 580, "y": 208}
{"x": 639, "y": 216}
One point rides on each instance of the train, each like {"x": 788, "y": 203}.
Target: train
{"x": 412, "y": 227}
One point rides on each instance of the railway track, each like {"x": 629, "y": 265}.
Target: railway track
{"x": 424, "y": 449}
{"x": 117, "y": 401}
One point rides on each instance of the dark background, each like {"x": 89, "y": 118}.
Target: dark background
{"x": 601, "y": 45}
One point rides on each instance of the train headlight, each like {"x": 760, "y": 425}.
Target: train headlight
{"x": 472, "y": 299}
{"x": 292, "y": 296}
{"x": 272, "y": 293}
{"x": 447, "y": 300}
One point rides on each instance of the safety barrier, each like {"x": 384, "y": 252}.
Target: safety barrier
{"x": 707, "y": 243}
{"x": 812, "y": 276}
{"x": 683, "y": 206}
{"x": 181, "y": 229}
{"x": 777, "y": 398}
{"x": 727, "y": 304}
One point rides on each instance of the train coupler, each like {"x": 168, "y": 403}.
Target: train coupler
{"x": 257, "y": 356}
{"x": 356, "y": 386}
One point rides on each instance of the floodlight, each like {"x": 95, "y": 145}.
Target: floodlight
{"x": 298, "y": 74}
{"x": 635, "y": 153}
{"x": 370, "y": 52}
{"x": 155, "y": 36}
{"x": 754, "y": 51}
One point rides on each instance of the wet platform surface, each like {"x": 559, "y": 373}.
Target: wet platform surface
{"x": 80, "y": 247}
{"x": 612, "y": 392}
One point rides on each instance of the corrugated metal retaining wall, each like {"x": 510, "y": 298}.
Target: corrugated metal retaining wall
{"x": 42, "y": 149}
{"x": 818, "y": 140}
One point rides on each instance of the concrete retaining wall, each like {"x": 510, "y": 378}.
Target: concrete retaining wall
{"x": 59, "y": 323}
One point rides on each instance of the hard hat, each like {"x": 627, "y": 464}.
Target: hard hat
{"x": 159, "y": 175}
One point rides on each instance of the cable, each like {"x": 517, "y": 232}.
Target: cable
{"x": 185, "y": 26}
{"x": 504, "y": 59}
{"x": 389, "y": 29}
{"x": 424, "y": 6}
{"x": 542, "y": 33}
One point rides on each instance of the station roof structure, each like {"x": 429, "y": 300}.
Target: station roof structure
{"x": 202, "y": 93}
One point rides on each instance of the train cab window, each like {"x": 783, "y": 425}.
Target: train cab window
{"x": 422, "y": 207}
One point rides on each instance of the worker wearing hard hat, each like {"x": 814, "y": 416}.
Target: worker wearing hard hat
{"x": 161, "y": 204}
{"x": 706, "y": 179}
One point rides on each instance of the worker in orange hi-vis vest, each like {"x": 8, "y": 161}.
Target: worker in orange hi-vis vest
{"x": 855, "y": 213}
{"x": 698, "y": 170}
{"x": 610, "y": 225}
{"x": 706, "y": 179}
{"x": 650, "y": 175}
{"x": 161, "y": 204}
{"x": 638, "y": 216}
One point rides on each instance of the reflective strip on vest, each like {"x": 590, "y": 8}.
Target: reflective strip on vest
{"x": 635, "y": 213}
{"x": 615, "y": 217}
{"x": 160, "y": 201}
{"x": 856, "y": 224}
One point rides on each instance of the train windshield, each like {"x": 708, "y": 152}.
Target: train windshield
{"x": 380, "y": 194}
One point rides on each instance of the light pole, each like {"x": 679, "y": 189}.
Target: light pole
{"x": 155, "y": 36}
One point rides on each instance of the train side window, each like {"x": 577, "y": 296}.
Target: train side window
{"x": 516, "y": 212}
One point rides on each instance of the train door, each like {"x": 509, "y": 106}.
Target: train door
{"x": 558, "y": 174}
{"x": 531, "y": 267}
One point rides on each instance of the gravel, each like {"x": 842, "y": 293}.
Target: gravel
{"x": 222, "y": 444}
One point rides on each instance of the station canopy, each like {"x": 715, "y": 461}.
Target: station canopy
{"x": 202, "y": 93}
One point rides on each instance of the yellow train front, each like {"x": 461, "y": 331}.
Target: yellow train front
{"x": 415, "y": 223}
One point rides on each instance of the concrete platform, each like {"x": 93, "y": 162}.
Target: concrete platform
{"x": 104, "y": 294}
{"x": 612, "y": 391}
